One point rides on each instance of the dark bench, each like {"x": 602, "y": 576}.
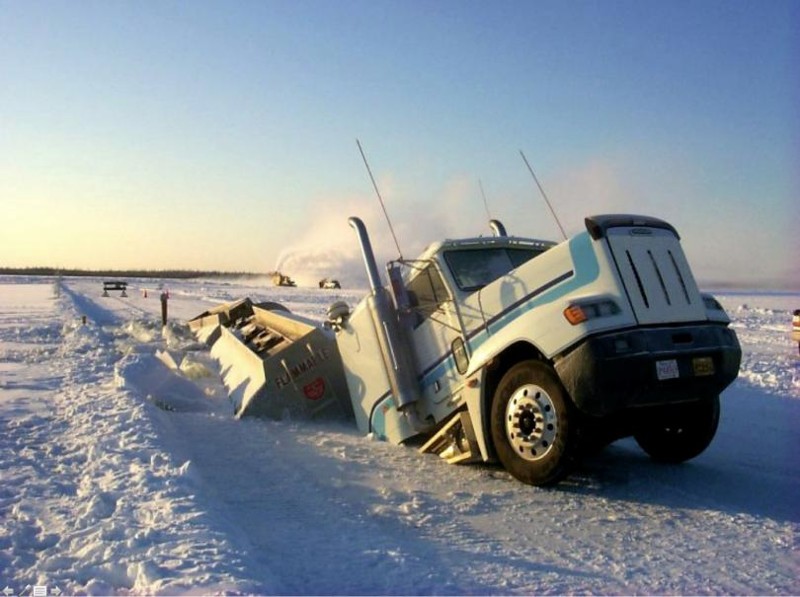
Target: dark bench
{"x": 115, "y": 285}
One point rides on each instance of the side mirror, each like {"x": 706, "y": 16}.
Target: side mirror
{"x": 338, "y": 313}
{"x": 460, "y": 355}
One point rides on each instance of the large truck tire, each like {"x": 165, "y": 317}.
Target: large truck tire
{"x": 534, "y": 424}
{"x": 681, "y": 432}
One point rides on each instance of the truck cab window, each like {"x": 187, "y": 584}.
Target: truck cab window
{"x": 427, "y": 292}
{"x": 475, "y": 268}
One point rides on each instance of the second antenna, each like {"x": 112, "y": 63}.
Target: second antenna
{"x": 380, "y": 199}
{"x": 541, "y": 190}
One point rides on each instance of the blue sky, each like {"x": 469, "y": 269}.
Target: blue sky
{"x": 221, "y": 135}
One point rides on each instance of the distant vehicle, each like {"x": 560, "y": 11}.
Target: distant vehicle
{"x": 278, "y": 279}
{"x": 329, "y": 283}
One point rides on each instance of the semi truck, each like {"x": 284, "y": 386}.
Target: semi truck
{"x": 501, "y": 348}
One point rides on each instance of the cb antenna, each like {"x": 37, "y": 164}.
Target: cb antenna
{"x": 541, "y": 190}
{"x": 378, "y": 193}
{"x": 485, "y": 204}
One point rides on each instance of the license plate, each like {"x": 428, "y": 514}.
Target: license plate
{"x": 703, "y": 366}
{"x": 667, "y": 369}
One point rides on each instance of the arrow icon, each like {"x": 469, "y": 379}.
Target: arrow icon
{"x": 55, "y": 591}
{"x": 8, "y": 591}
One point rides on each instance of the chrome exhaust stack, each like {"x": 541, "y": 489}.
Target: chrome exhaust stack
{"x": 395, "y": 349}
{"x": 366, "y": 252}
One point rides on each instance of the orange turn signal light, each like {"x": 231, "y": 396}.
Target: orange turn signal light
{"x": 575, "y": 314}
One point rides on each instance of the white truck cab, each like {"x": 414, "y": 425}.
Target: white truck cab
{"x": 532, "y": 352}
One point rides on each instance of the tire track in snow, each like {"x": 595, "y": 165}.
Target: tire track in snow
{"x": 314, "y": 527}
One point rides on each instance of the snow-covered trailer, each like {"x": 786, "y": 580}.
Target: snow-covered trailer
{"x": 274, "y": 363}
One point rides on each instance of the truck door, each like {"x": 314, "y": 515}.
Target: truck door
{"x": 436, "y": 335}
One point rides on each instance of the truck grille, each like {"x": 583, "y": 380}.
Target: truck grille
{"x": 656, "y": 276}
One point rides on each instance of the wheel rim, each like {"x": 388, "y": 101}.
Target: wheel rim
{"x": 531, "y": 423}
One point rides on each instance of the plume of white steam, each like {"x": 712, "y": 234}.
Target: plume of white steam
{"x": 327, "y": 247}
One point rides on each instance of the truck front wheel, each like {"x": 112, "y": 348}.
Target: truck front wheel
{"x": 680, "y": 433}
{"x": 534, "y": 424}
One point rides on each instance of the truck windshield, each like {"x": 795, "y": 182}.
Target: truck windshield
{"x": 475, "y": 268}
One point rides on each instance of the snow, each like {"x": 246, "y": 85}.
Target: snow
{"x": 124, "y": 472}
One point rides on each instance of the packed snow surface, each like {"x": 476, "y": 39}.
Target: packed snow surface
{"x": 121, "y": 475}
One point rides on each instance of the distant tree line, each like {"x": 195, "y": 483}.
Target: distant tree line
{"x": 181, "y": 274}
